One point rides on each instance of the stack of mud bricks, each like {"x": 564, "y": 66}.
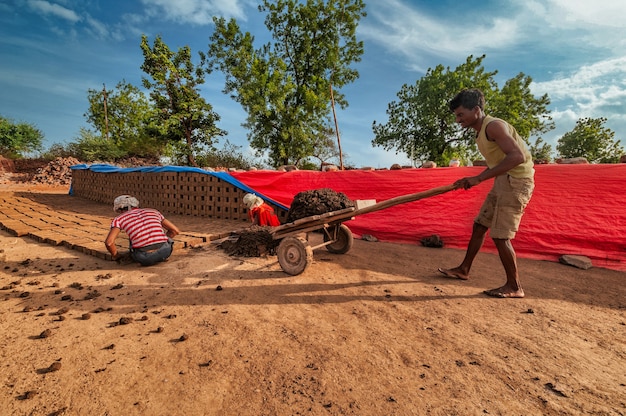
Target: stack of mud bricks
{"x": 185, "y": 193}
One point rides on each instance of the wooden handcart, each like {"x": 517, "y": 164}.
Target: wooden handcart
{"x": 295, "y": 253}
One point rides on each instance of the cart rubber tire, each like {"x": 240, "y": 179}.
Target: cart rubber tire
{"x": 344, "y": 241}
{"x": 294, "y": 255}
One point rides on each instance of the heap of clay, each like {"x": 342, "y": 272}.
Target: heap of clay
{"x": 316, "y": 202}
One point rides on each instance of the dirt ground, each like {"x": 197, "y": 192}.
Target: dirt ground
{"x": 375, "y": 331}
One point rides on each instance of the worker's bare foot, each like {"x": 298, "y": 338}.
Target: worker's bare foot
{"x": 505, "y": 292}
{"x": 454, "y": 273}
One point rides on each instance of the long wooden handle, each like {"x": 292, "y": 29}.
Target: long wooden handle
{"x": 404, "y": 199}
{"x": 316, "y": 222}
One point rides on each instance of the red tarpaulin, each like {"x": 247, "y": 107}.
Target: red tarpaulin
{"x": 575, "y": 209}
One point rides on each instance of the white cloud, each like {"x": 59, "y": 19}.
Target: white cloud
{"x": 597, "y": 12}
{"x": 598, "y": 24}
{"x": 417, "y": 37}
{"x": 48, "y": 8}
{"x": 591, "y": 87}
{"x": 593, "y": 91}
{"x": 199, "y": 12}
{"x": 98, "y": 28}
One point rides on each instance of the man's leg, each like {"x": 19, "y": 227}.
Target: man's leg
{"x": 475, "y": 243}
{"x": 513, "y": 287}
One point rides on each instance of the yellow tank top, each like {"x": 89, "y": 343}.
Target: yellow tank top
{"x": 494, "y": 155}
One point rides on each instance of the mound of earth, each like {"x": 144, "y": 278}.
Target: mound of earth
{"x": 255, "y": 241}
{"x": 316, "y": 202}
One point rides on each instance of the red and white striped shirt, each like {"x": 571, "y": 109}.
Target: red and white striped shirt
{"x": 142, "y": 225}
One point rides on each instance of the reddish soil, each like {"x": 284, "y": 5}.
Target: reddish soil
{"x": 375, "y": 331}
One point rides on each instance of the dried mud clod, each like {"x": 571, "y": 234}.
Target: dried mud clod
{"x": 27, "y": 395}
{"x": 255, "y": 241}
{"x": 125, "y": 320}
{"x": 46, "y": 333}
{"x": 432, "y": 241}
{"x": 316, "y": 202}
{"x": 55, "y": 366}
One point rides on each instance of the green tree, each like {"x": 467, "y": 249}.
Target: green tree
{"x": 124, "y": 116}
{"x": 421, "y": 125}
{"x": 285, "y": 86}
{"x": 16, "y": 139}
{"x": 91, "y": 146}
{"x": 516, "y": 104}
{"x": 56, "y": 150}
{"x": 229, "y": 156}
{"x": 591, "y": 140}
{"x": 184, "y": 119}
{"x": 325, "y": 151}
{"x": 541, "y": 151}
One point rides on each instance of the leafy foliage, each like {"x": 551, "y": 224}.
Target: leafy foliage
{"x": 16, "y": 139}
{"x": 91, "y": 147}
{"x": 285, "y": 86}
{"x": 591, "y": 140}
{"x": 229, "y": 156}
{"x": 184, "y": 119}
{"x": 124, "y": 116}
{"x": 516, "y": 104}
{"x": 57, "y": 150}
{"x": 422, "y": 126}
{"x": 541, "y": 151}
{"x": 324, "y": 151}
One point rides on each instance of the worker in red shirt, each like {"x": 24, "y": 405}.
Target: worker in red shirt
{"x": 259, "y": 212}
{"x": 145, "y": 227}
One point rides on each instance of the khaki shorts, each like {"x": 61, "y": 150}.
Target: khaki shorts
{"x": 504, "y": 206}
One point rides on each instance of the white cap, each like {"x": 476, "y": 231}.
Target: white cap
{"x": 251, "y": 200}
{"x": 125, "y": 201}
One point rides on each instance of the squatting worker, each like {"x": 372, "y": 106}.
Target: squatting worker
{"x": 510, "y": 163}
{"x": 259, "y": 212}
{"x": 149, "y": 242}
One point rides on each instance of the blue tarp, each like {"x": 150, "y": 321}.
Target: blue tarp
{"x": 225, "y": 176}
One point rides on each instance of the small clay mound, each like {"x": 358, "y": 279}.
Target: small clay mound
{"x": 316, "y": 202}
{"x": 252, "y": 242}
{"x": 432, "y": 241}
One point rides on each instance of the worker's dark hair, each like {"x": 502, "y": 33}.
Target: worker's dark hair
{"x": 468, "y": 98}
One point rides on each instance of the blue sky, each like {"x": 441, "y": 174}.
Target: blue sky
{"x": 53, "y": 51}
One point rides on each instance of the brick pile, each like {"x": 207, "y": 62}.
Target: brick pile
{"x": 56, "y": 172}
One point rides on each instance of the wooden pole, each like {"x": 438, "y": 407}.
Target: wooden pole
{"x": 332, "y": 103}
{"x": 106, "y": 115}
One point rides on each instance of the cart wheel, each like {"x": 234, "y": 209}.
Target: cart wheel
{"x": 294, "y": 255}
{"x": 343, "y": 239}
